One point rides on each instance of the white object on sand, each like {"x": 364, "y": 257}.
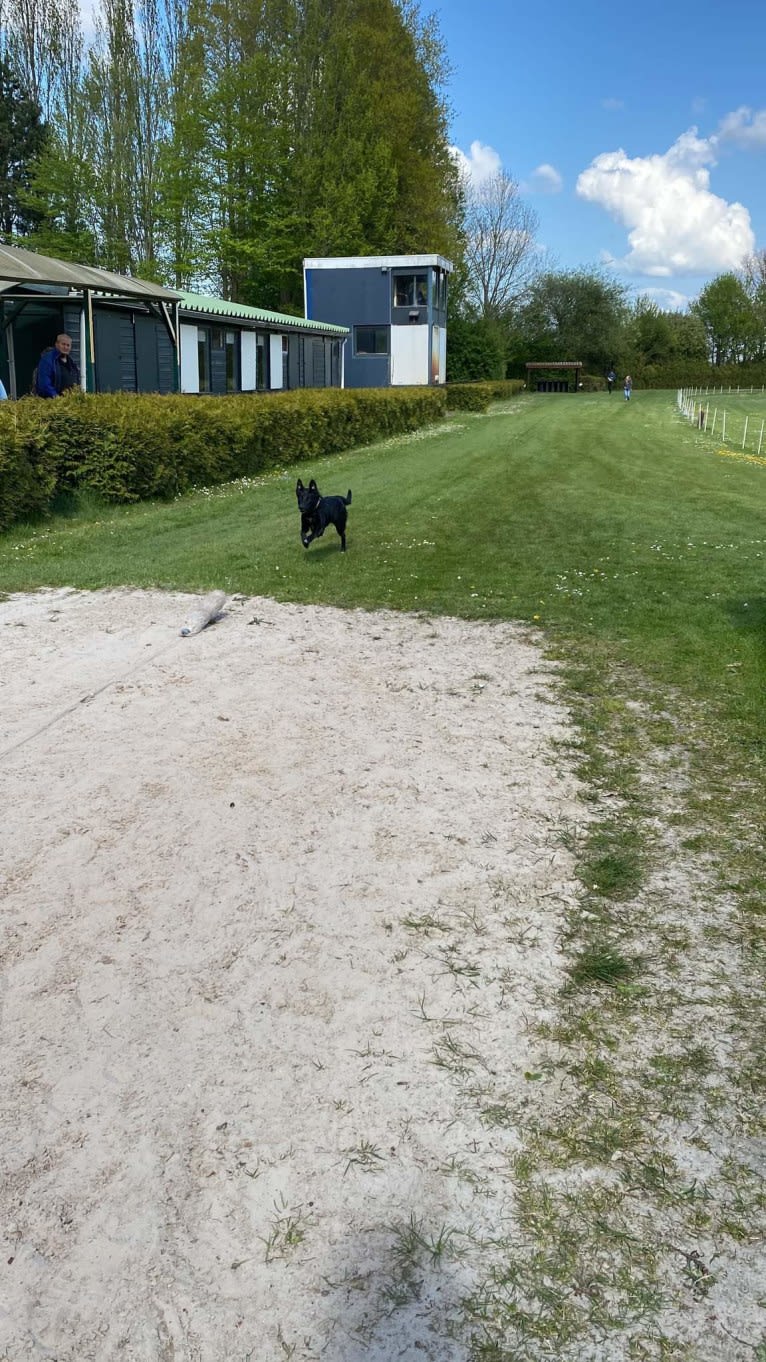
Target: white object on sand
{"x": 202, "y": 615}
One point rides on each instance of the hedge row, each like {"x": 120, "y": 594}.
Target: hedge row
{"x": 128, "y": 447}
{"x": 477, "y": 396}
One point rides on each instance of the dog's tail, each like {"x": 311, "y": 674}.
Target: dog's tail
{"x": 347, "y": 500}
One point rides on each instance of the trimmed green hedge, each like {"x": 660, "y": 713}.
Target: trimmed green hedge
{"x": 477, "y": 396}
{"x": 27, "y": 469}
{"x": 692, "y": 374}
{"x": 128, "y": 447}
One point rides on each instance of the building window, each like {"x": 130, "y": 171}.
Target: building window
{"x": 261, "y": 363}
{"x": 285, "y": 362}
{"x": 232, "y": 362}
{"x": 410, "y": 290}
{"x": 203, "y": 358}
{"x": 371, "y": 340}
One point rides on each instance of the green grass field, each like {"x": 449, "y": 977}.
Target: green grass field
{"x": 616, "y": 527}
{"x": 636, "y": 548}
{"x": 736, "y": 419}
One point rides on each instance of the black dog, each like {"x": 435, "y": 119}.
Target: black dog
{"x": 317, "y": 512}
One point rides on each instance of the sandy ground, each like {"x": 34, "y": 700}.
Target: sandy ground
{"x": 269, "y": 894}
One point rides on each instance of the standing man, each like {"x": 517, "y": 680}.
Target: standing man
{"x": 628, "y": 387}
{"x": 611, "y": 379}
{"x": 57, "y": 371}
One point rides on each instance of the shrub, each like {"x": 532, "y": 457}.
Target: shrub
{"x": 27, "y": 470}
{"x": 477, "y": 396}
{"x": 129, "y": 447}
{"x": 475, "y": 350}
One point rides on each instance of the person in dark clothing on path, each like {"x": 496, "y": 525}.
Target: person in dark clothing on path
{"x": 57, "y": 371}
{"x": 611, "y": 379}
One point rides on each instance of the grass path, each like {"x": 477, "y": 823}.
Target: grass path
{"x": 639, "y": 552}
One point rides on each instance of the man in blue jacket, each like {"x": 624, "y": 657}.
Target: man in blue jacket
{"x": 57, "y": 370}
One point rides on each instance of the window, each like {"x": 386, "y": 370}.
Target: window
{"x": 232, "y": 362}
{"x": 203, "y": 358}
{"x": 410, "y": 290}
{"x": 370, "y": 340}
{"x": 285, "y": 362}
{"x": 261, "y": 363}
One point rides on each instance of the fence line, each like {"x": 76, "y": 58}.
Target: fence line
{"x": 692, "y": 405}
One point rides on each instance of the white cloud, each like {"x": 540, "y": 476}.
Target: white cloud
{"x": 482, "y": 163}
{"x": 676, "y": 224}
{"x": 546, "y": 180}
{"x": 613, "y": 105}
{"x": 743, "y": 128}
{"x": 667, "y": 299}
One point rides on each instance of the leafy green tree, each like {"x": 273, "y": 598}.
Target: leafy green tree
{"x": 23, "y": 137}
{"x": 575, "y": 315}
{"x": 730, "y": 322}
{"x": 688, "y": 335}
{"x": 475, "y": 349}
{"x": 651, "y": 334}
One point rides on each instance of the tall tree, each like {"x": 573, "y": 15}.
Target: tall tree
{"x": 500, "y": 230}
{"x": 728, "y": 317}
{"x": 23, "y": 136}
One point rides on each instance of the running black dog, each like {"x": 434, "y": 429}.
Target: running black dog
{"x": 317, "y": 512}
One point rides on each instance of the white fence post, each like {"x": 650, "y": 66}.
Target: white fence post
{"x": 760, "y": 437}
{"x": 744, "y": 436}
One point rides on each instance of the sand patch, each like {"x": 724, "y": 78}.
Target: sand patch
{"x": 275, "y": 898}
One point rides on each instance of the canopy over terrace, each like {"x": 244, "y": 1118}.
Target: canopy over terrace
{"x": 26, "y": 277}
{"x": 549, "y": 366}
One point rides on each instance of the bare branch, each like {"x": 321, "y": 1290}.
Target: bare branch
{"x": 500, "y": 251}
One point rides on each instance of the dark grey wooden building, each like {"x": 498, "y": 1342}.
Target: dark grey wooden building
{"x": 130, "y": 335}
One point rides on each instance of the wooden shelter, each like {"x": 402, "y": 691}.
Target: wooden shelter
{"x": 553, "y": 385}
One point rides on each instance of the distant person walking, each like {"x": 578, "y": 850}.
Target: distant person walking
{"x": 628, "y": 387}
{"x": 611, "y": 379}
{"x": 57, "y": 371}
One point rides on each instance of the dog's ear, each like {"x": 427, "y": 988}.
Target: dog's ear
{"x": 312, "y": 486}
{"x": 299, "y": 488}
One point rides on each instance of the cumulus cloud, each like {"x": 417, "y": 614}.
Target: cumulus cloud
{"x": 613, "y": 105}
{"x": 677, "y": 225}
{"x": 743, "y": 128}
{"x": 546, "y": 180}
{"x": 481, "y": 164}
{"x": 667, "y": 299}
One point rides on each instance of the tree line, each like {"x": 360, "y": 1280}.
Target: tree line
{"x": 512, "y": 306}
{"x": 213, "y": 144}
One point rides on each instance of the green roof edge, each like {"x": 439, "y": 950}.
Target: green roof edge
{"x": 219, "y": 307}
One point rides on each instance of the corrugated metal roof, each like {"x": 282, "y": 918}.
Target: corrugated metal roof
{"x": 19, "y": 266}
{"x": 553, "y": 364}
{"x": 219, "y": 307}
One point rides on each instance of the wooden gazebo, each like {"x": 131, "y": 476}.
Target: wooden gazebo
{"x": 554, "y": 385}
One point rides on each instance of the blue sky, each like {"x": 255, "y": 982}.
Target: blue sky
{"x": 637, "y": 134}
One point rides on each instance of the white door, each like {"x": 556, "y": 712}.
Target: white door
{"x": 409, "y": 355}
